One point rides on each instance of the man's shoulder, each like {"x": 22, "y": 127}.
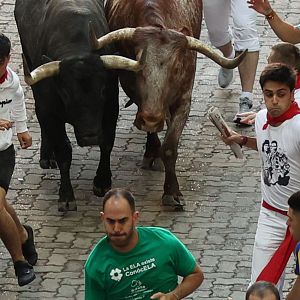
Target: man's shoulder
{"x": 98, "y": 251}
{"x": 156, "y": 233}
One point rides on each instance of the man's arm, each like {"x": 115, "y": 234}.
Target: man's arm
{"x": 188, "y": 285}
{"x": 295, "y": 291}
{"x": 249, "y": 142}
{"x": 285, "y": 31}
{"x": 92, "y": 290}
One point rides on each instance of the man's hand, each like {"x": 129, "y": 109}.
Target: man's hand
{"x": 25, "y": 139}
{"x": 261, "y": 6}
{"x": 247, "y": 118}
{"x": 233, "y": 138}
{"x": 5, "y": 124}
{"x": 162, "y": 296}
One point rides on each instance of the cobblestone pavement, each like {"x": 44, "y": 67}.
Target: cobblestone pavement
{"x": 222, "y": 193}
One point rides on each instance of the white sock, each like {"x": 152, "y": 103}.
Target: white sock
{"x": 247, "y": 94}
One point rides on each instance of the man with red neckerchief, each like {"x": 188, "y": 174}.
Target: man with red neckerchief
{"x": 278, "y": 143}
{"x": 17, "y": 238}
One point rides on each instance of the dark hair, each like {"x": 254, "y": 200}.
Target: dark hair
{"x": 266, "y": 142}
{"x": 5, "y": 46}
{"x": 278, "y": 72}
{"x": 261, "y": 289}
{"x": 288, "y": 54}
{"x": 294, "y": 201}
{"x": 119, "y": 193}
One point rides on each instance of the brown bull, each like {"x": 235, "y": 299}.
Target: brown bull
{"x": 168, "y": 31}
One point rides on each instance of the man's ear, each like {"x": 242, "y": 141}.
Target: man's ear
{"x": 136, "y": 215}
{"x": 102, "y": 216}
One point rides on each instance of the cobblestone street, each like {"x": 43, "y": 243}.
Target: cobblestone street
{"x": 222, "y": 193}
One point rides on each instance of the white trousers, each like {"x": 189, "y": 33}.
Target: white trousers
{"x": 271, "y": 230}
{"x": 244, "y": 31}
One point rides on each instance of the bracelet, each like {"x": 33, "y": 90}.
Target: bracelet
{"x": 177, "y": 297}
{"x": 270, "y": 15}
{"x": 244, "y": 140}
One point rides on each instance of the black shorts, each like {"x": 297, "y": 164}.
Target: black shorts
{"x": 7, "y": 165}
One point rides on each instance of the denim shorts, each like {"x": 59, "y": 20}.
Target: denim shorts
{"x": 7, "y": 165}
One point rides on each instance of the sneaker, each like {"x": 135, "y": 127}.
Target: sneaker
{"x": 244, "y": 106}
{"x": 225, "y": 77}
{"x": 28, "y": 248}
{"x": 24, "y": 272}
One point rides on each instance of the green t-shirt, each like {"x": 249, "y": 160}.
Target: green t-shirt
{"x": 151, "y": 267}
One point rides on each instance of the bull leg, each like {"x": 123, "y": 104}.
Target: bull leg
{"x": 61, "y": 146}
{"x": 47, "y": 159}
{"x": 152, "y": 158}
{"x": 63, "y": 154}
{"x": 102, "y": 181}
{"x": 172, "y": 195}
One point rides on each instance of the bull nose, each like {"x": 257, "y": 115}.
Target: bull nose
{"x": 150, "y": 122}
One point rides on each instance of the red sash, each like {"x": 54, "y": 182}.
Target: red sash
{"x": 290, "y": 113}
{"x": 275, "y": 267}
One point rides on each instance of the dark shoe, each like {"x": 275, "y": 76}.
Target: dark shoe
{"x": 28, "y": 247}
{"x": 24, "y": 272}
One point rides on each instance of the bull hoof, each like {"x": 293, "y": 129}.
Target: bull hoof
{"x": 154, "y": 164}
{"x": 67, "y": 206}
{"x": 175, "y": 201}
{"x": 48, "y": 164}
{"x": 100, "y": 191}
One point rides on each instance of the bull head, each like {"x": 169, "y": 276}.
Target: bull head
{"x": 192, "y": 44}
{"x": 52, "y": 68}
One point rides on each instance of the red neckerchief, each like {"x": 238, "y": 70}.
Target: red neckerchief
{"x": 3, "y": 77}
{"x": 290, "y": 113}
{"x": 297, "y": 86}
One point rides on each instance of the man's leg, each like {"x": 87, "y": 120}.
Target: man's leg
{"x": 245, "y": 37}
{"x": 271, "y": 230}
{"x": 21, "y": 230}
{"x": 216, "y": 15}
{"x": 8, "y": 231}
{"x": 26, "y": 236}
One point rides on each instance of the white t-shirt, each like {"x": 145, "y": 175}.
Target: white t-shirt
{"x": 12, "y": 107}
{"x": 279, "y": 150}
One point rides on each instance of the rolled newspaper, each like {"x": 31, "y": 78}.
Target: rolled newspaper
{"x": 216, "y": 118}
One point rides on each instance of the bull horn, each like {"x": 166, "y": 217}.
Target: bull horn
{"x": 195, "y": 44}
{"x": 114, "y": 36}
{"x": 41, "y": 72}
{"x": 120, "y": 62}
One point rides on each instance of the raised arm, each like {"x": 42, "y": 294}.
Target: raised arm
{"x": 285, "y": 31}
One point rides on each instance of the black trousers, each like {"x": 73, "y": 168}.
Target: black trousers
{"x": 7, "y": 165}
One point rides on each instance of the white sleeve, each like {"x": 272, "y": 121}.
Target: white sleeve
{"x": 18, "y": 111}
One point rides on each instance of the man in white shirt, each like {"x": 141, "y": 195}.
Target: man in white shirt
{"x": 278, "y": 125}
{"x": 18, "y": 239}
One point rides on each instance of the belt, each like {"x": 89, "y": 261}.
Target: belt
{"x": 270, "y": 207}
